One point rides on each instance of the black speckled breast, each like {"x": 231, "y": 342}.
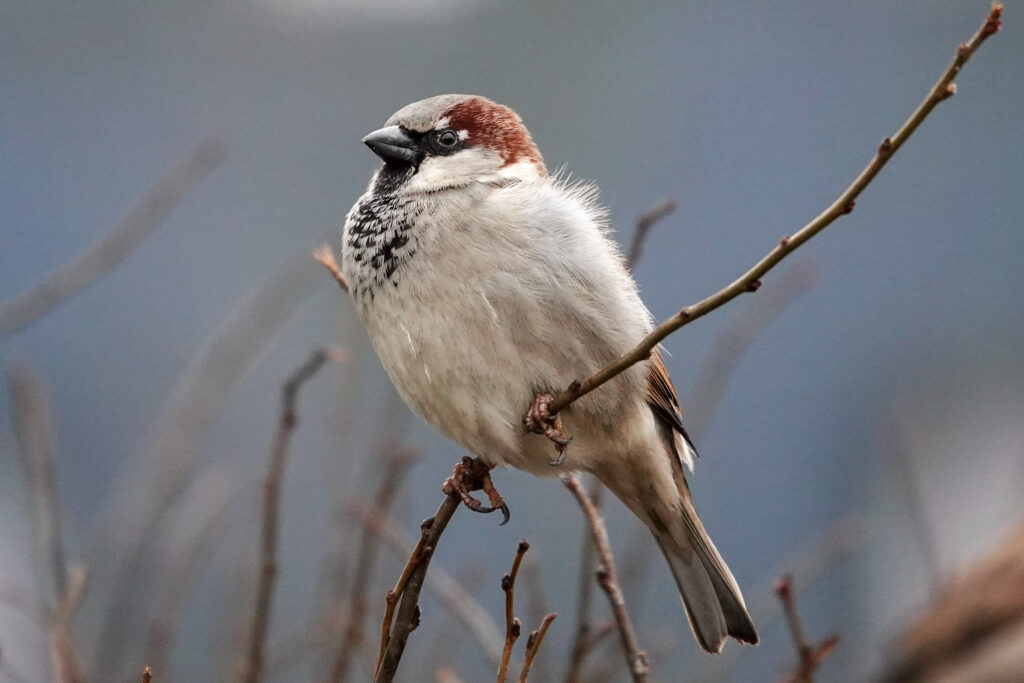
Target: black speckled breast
{"x": 379, "y": 236}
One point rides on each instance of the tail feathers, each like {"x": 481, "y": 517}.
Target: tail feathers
{"x": 712, "y": 600}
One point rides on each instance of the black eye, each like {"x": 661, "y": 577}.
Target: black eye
{"x": 448, "y": 138}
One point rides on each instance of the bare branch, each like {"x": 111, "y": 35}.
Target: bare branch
{"x": 512, "y": 625}
{"x": 533, "y": 645}
{"x": 751, "y": 280}
{"x": 33, "y": 428}
{"x": 397, "y": 462}
{"x": 271, "y": 503}
{"x": 408, "y": 591}
{"x": 608, "y": 581}
{"x": 644, "y": 223}
{"x": 103, "y": 256}
{"x": 325, "y": 256}
{"x": 811, "y": 656}
{"x": 585, "y": 590}
{"x": 444, "y": 587}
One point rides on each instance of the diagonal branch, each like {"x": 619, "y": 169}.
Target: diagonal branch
{"x": 751, "y": 280}
{"x": 106, "y": 254}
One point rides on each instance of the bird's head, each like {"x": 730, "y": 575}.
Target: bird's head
{"x": 452, "y": 141}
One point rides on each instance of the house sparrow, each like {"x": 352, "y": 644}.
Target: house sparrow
{"x": 484, "y": 282}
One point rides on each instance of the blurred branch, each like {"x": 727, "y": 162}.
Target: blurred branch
{"x": 147, "y": 675}
{"x": 608, "y": 581}
{"x": 131, "y": 517}
{"x": 512, "y": 624}
{"x": 271, "y": 504}
{"x": 705, "y": 396}
{"x": 750, "y": 281}
{"x": 103, "y": 256}
{"x": 644, "y": 223}
{"x": 811, "y": 656}
{"x": 193, "y": 526}
{"x": 32, "y": 419}
{"x": 325, "y": 256}
{"x": 914, "y": 499}
{"x": 975, "y": 630}
{"x": 444, "y": 587}
{"x": 65, "y": 658}
{"x": 396, "y": 464}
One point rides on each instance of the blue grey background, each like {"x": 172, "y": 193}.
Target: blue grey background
{"x": 753, "y": 116}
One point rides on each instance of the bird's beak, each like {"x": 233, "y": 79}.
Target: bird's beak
{"x": 392, "y": 144}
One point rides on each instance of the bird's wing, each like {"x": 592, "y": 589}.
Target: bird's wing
{"x": 662, "y": 398}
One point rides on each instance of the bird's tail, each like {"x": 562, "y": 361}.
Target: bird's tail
{"x": 712, "y": 599}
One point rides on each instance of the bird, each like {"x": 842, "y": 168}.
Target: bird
{"x": 486, "y": 284}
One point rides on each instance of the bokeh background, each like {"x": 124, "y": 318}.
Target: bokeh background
{"x": 869, "y": 437}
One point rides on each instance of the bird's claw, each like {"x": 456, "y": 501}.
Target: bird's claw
{"x": 540, "y": 420}
{"x": 471, "y": 475}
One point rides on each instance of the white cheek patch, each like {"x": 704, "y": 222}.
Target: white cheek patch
{"x": 461, "y": 168}
{"x": 463, "y": 134}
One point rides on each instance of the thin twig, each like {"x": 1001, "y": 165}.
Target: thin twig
{"x": 103, "y": 256}
{"x": 408, "y": 608}
{"x": 751, "y": 280}
{"x": 585, "y": 590}
{"x": 533, "y": 645}
{"x": 643, "y": 225}
{"x": 325, "y": 256}
{"x": 253, "y": 667}
{"x": 147, "y": 675}
{"x": 811, "y": 656}
{"x": 396, "y": 465}
{"x": 395, "y": 594}
{"x": 608, "y": 581}
{"x": 512, "y": 624}
{"x": 444, "y": 587}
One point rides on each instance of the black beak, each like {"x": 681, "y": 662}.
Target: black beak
{"x": 392, "y": 144}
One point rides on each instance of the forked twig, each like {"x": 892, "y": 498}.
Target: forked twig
{"x": 751, "y": 280}
{"x": 533, "y": 645}
{"x": 609, "y": 582}
{"x": 811, "y": 656}
{"x": 253, "y": 668}
{"x": 512, "y": 624}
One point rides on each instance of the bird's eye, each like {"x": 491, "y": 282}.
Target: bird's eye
{"x": 448, "y": 138}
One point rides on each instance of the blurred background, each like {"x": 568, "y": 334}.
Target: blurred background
{"x": 860, "y": 418}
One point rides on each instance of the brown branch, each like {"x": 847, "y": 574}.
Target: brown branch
{"x": 811, "y": 656}
{"x": 512, "y": 625}
{"x": 396, "y": 465}
{"x": 608, "y": 581}
{"x": 585, "y": 590}
{"x": 271, "y": 503}
{"x": 147, "y": 675}
{"x": 103, "y": 256}
{"x": 644, "y": 223}
{"x": 751, "y": 280}
{"x": 394, "y": 639}
{"x": 444, "y": 587}
{"x": 325, "y": 256}
{"x": 533, "y": 645}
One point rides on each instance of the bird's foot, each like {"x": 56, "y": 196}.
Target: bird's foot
{"x": 540, "y": 420}
{"x": 471, "y": 474}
